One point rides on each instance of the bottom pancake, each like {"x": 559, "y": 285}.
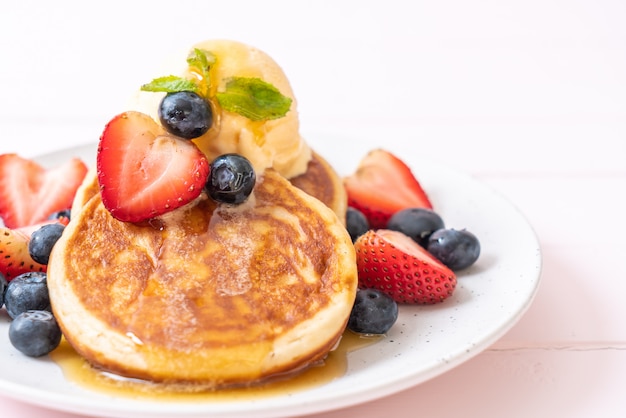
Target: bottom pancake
{"x": 320, "y": 180}
{"x": 210, "y": 294}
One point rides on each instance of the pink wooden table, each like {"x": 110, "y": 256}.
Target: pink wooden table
{"x": 528, "y": 97}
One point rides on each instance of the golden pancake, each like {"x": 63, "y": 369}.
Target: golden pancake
{"x": 213, "y": 295}
{"x": 209, "y": 295}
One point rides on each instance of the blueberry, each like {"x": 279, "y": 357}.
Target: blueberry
{"x": 356, "y": 223}
{"x": 3, "y": 288}
{"x": 35, "y": 333}
{"x": 60, "y": 214}
{"x": 42, "y": 241}
{"x": 373, "y": 312}
{"x": 26, "y": 292}
{"x": 231, "y": 180}
{"x": 417, "y": 223}
{"x": 185, "y": 114}
{"x": 457, "y": 249}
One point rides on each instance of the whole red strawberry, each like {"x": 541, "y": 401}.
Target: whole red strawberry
{"x": 144, "y": 171}
{"x": 30, "y": 193}
{"x": 383, "y": 185}
{"x": 395, "y": 264}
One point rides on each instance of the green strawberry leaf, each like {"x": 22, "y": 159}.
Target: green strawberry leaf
{"x": 253, "y": 98}
{"x": 170, "y": 84}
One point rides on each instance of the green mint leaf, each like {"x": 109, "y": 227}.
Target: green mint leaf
{"x": 253, "y": 98}
{"x": 170, "y": 84}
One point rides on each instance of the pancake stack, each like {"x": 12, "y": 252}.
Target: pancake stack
{"x": 212, "y": 295}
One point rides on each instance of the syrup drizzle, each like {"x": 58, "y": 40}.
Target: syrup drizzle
{"x": 77, "y": 370}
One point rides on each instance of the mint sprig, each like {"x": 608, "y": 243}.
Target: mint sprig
{"x": 200, "y": 62}
{"x": 170, "y": 84}
{"x": 253, "y": 98}
{"x": 250, "y": 97}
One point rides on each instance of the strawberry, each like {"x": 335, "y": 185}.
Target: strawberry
{"x": 29, "y": 193}
{"x": 145, "y": 172}
{"x": 382, "y": 185}
{"x": 395, "y": 264}
{"x": 14, "y": 256}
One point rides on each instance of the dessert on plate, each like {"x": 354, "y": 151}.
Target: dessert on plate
{"x": 210, "y": 246}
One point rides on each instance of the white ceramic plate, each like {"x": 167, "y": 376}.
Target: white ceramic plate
{"x": 425, "y": 342}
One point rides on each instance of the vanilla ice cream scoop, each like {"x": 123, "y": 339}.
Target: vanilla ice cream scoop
{"x": 274, "y": 143}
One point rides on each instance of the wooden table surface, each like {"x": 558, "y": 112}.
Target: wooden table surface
{"x": 528, "y": 97}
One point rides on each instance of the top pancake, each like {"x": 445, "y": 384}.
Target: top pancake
{"x": 211, "y": 294}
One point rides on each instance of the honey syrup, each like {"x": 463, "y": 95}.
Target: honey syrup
{"x": 77, "y": 370}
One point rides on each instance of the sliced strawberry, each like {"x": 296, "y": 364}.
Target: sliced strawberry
{"x": 382, "y": 185}
{"x": 14, "y": 256}
{"x": 395, "y": 264}
{"x": 143, "y": 171}
{"x": 29, "y": 193}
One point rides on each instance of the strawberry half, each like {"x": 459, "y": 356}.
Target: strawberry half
{"x": 382, "y": 185}
{"x": 14, "y": 256}
{"x": 30, "y": 193}
{"x": 395, "y": 264}
{"x": 143, "y": 171}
